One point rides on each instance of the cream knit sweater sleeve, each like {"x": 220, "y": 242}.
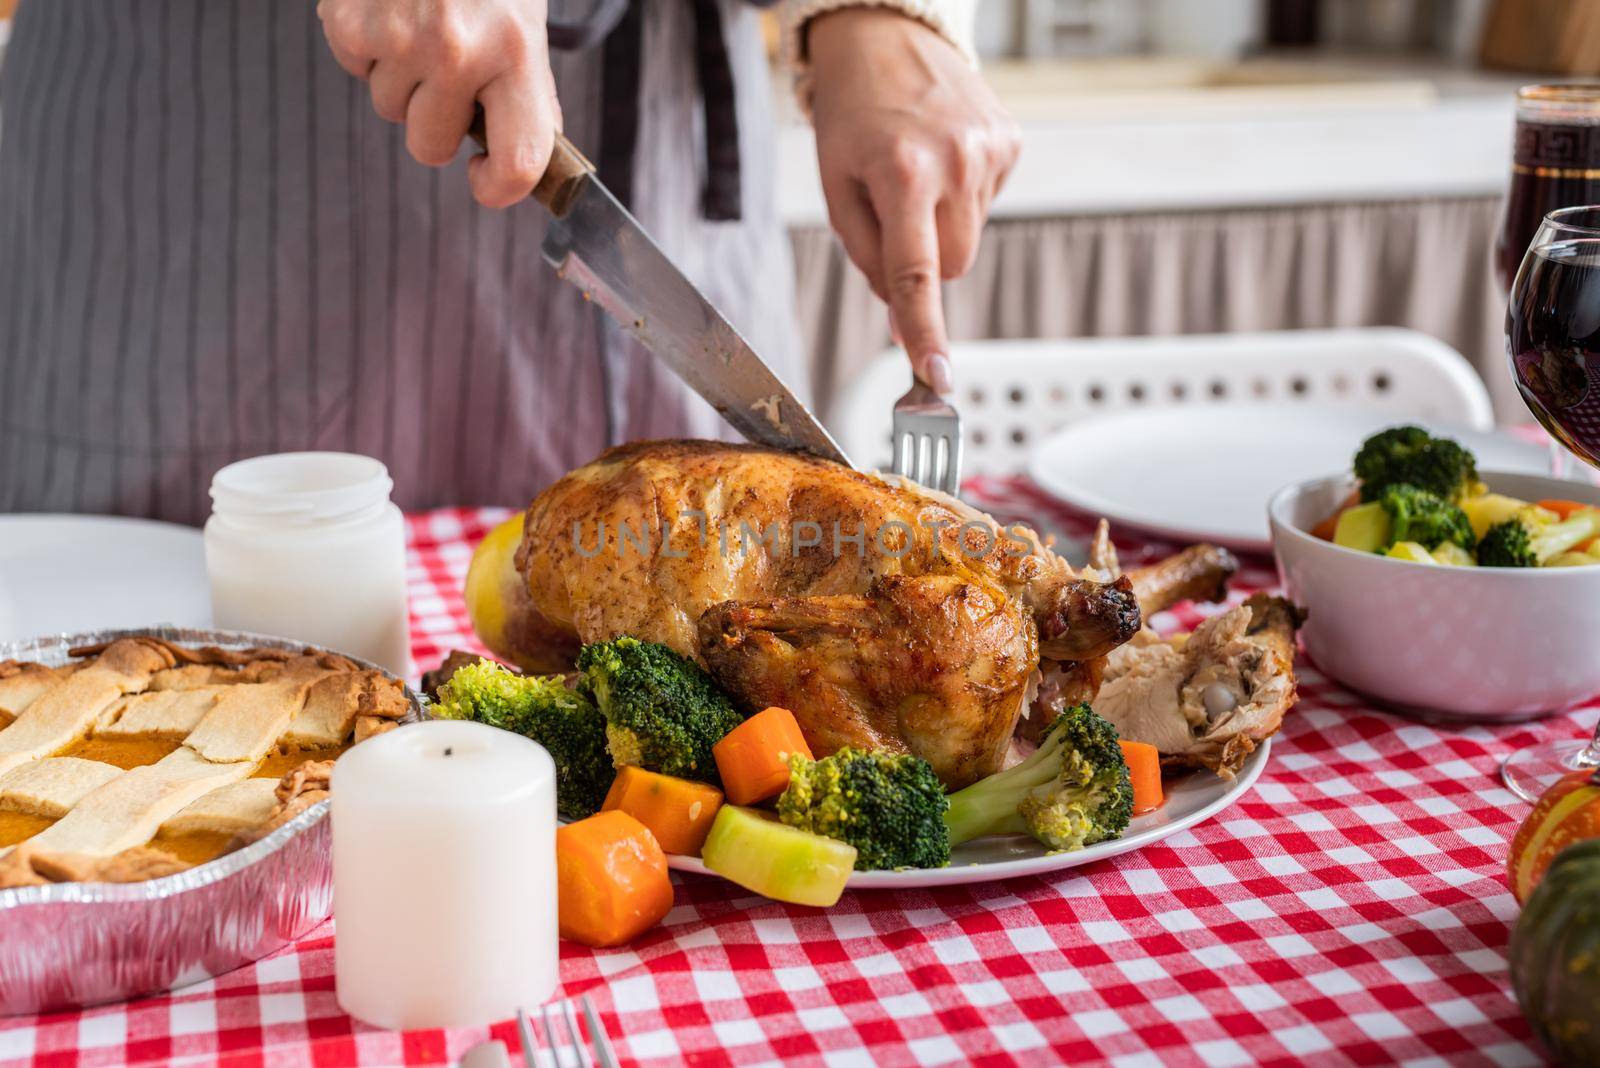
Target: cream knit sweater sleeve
{"x": 953, "y": 19}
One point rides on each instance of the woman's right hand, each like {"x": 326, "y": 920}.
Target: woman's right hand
{"x": 428, "y": 62}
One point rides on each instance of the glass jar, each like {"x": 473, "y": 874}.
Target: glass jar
{"x": 308, "y": 546}
{"x": 1555, "y": 164}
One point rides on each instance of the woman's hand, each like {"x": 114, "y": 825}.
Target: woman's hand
{"x": 913, "y": 147}
{"x": 429, "y": 61}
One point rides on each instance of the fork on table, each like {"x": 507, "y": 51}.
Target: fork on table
{"x": 565, "y": 1044}
{"x": 927, "y": 439}
{"x": 562, "y": 1045}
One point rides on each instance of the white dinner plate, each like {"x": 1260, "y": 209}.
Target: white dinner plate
{"x": 1205, "y": 473}
{"x": 1195, "y": 797}
{"x": 69, "y": 573}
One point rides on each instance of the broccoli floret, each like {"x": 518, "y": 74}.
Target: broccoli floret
{"x": 1529, "y": 539}
{"x": 1426, "y": 518}
{"x": 564, "y": 721}
{"x": 890, "y": 806}
{"x": 1411, "y": 455}
{"x": 1073, "y": 791}
{"x": 663, "y": 713}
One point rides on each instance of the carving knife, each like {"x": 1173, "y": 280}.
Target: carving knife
{"x": 595, "y": 244}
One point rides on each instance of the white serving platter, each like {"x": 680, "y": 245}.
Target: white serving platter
{"x": 1190, "y": 800}
{"x": 67, "y": 573}
{"x": 1206, "y": 472}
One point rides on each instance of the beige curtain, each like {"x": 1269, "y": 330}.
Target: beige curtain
{"x": 1421, "y": 264}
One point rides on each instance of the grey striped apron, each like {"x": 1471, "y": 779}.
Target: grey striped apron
{"x": 211, "y": 247}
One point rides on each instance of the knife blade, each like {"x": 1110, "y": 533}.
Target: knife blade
{"x": 597, "y": 245}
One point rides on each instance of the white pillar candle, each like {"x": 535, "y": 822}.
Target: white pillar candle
{"x": 444, "y": 876}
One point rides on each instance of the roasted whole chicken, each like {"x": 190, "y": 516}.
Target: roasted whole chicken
{"x": 881, "y": 613}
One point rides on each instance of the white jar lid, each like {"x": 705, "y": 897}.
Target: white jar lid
{"x": 301, "y": 487}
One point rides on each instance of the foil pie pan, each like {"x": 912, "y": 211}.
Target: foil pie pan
{"x": 70, "y": 945}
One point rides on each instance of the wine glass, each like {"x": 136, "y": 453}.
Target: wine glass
{"x": 1553, "y": 344}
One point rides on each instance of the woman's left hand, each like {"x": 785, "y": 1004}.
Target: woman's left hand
{"x": 913, "y": 147}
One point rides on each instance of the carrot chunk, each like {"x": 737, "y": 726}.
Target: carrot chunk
{"x": 753, "y": 758}
{"x": 677, "y": 811}
{"x": 1144, "y": 769}
{"x": 1563, "y": 508}
{"x": 611, "y": 880}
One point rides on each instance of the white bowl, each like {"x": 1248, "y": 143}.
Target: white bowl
{"x": 1480, "y": 643}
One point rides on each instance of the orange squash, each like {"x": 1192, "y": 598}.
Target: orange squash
{"x": 611, "y": 880}
{"x": 1568, "y": 812}
{"x": 678, "y": 812}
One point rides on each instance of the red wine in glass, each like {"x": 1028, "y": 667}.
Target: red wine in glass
{"x": 1553, "y": 331}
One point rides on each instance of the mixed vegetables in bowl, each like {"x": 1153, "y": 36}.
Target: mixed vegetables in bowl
{"x": 1419, "y": 498}
{"x": 1480, "y": 641}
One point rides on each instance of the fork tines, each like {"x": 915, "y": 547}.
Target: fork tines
{"x": 563, "y": 1037}
{"x": 927, "y": 440}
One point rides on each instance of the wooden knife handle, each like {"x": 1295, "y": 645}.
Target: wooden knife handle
{"x": 563, "y": 176}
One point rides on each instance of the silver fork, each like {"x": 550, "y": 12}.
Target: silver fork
{"x": 927, "y": 439}
{"x": 567, "y": 1046}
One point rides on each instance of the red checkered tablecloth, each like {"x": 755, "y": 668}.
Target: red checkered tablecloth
{"x": 1350, "y": 909}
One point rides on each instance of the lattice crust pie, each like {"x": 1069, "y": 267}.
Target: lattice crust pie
{"x": 142, "y": 758}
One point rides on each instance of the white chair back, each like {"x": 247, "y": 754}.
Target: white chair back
{"x": 1013, "y": 393}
